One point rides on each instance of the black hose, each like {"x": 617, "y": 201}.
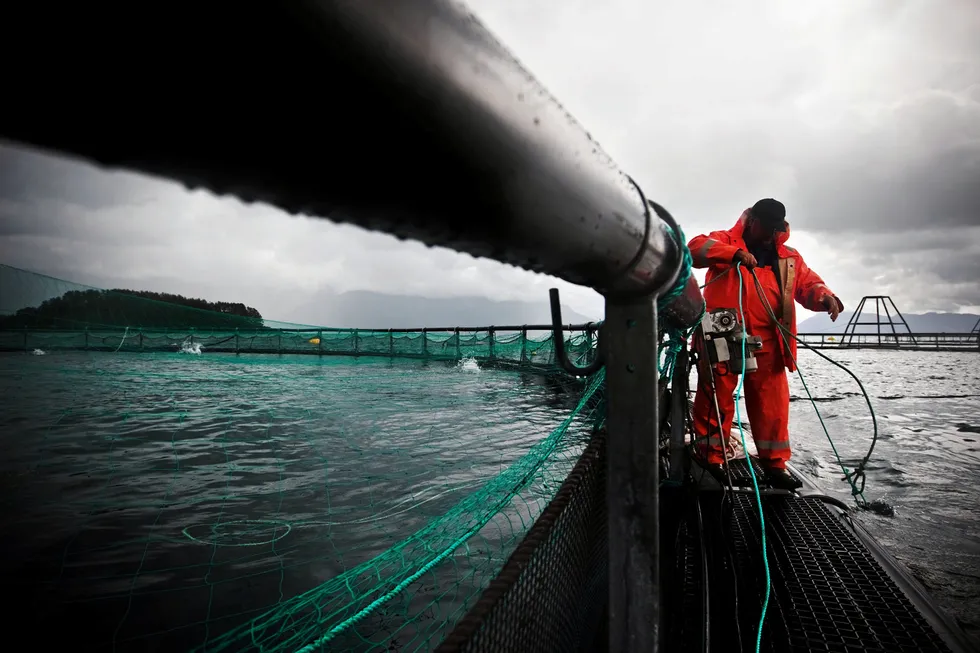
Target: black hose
{"x": 705, "y": 590}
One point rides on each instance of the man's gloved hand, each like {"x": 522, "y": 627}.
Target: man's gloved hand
{"x": 833, "y": 305}
{"x": 745, "y": 258}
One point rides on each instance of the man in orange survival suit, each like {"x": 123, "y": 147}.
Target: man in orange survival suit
{"x": 758, "y": 241}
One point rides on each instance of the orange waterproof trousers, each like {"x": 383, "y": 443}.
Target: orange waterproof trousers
{"x": 766, "y": 394}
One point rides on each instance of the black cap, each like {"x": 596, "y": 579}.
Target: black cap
{"x": 770, "y": 213}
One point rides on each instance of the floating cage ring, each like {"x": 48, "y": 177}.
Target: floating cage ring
{"x": 239, "y": 532}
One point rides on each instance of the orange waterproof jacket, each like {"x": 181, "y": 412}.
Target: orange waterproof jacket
{"x": 796, "y": 281}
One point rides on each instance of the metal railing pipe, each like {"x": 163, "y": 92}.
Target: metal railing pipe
{"x": 405, "y": 117}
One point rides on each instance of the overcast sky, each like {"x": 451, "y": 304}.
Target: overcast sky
{"x": 862, "y": 117}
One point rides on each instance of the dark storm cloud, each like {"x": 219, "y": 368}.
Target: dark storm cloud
{"x": 960, "y": 267}
{"x": 962, "y": 270}
{"x": 950, "y": 256}
{"x": 28, "y": 174}
{"x": 917, "y": 167}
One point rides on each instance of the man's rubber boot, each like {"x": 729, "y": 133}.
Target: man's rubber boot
{"x": 780, "y": 479}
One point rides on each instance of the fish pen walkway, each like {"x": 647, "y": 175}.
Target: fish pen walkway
{"x": 527, "y": 346}
{"x": 900, "y": 341}
{"x": 833, "y": 587}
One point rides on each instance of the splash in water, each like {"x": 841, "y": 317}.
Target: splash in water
{"x": 189, "y": 347}
{"x": 468, "y": 364}
{"x": 38, "y": 352}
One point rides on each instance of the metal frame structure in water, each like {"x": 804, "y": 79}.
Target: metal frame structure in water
{"x": 881, "y": 303}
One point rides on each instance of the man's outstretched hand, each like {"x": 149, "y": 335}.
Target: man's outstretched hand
{"x": 746, "y": 259}
{"x": 833, "y": 306}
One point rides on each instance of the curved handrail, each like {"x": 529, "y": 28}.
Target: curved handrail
{"x": 561, "y": 356}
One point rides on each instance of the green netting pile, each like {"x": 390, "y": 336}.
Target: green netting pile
{"x": 193, "y": 498}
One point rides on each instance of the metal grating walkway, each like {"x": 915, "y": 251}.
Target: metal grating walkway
{"x": 828, "y": 591}
{"x": 739, "y": 471}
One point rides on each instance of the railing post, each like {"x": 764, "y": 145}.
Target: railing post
{"x": 355, "y": 342}
{"x": 459, "y": 350}
{"x": 524, "y": 345}
{"x": 492, "y": 330}
{"x": 632, "y": 494}
{"x": 425, "y": 342}
{"x": 319, "y": 342}
{"x": 237, "y": 344}
{"x": 141, "y": 338}
{"x": 391, "y": 343}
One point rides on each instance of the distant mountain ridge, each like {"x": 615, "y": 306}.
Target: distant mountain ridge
{"x": 374, "y": 310}
{"x": 918, "y": 323}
